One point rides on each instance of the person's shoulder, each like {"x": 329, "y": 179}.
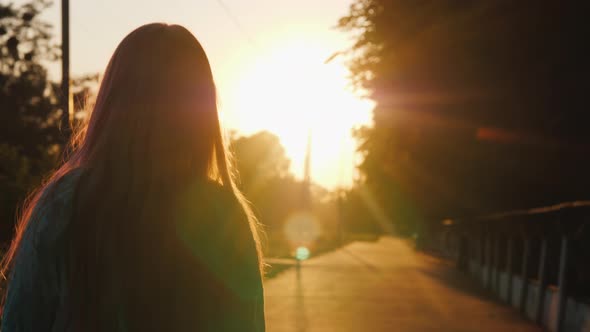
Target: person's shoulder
{"x": 207, "y": 195}
{"x": 209, "y": 209}
{"x": 53, "y": 210}
{"x": 60, "y": 189}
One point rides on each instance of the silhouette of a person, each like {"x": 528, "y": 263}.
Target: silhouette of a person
{"x": 142, "y": 228}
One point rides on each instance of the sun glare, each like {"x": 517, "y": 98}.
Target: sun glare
{"x": 290, "y": 91}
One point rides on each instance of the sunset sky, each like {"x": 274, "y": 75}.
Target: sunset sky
{"x": 268, "y": 60}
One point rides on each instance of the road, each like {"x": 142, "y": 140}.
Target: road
{"x": 382, "y": 286}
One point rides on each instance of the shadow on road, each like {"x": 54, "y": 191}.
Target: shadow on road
{"x": 361, "y": 260}
{"x": 446, "y": 274}
{"x": 301, "y": 316}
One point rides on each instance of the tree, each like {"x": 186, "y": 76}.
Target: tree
{"x": 277, "y": 196}
{"x": 259, "y": 158}
{"x": 480, "y": 105}
{"x": 29, "y": 101}
{"x": 30, "y": 139}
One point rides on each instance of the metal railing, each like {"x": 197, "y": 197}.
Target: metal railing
{"x": 534, "y": 259}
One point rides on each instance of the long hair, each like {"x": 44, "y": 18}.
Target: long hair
{"x": 154, "y": 128}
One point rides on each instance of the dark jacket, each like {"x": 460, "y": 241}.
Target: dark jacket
{"x": 224, "y": 294}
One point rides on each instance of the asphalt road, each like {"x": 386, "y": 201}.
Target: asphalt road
{"x": 382, "y": 286}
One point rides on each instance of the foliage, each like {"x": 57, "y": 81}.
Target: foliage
{"x": 480, "y": 105}
{"x": 360, "y": 212}
{"x": 262, "y": 166}
{"x": 30, "y": 138}
{"x": 276, "y": 195}
{"x": 259, "y": 158}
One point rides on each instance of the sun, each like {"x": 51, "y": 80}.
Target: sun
{"x": 290, "y": 91}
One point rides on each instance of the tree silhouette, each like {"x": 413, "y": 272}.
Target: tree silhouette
{"x": 480, "y": 105}
{"x": 259, "y": 158}
{"x": 30, "y": 138}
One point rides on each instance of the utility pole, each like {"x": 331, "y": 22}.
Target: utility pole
{"x": 65, "y": 68}
{"x": 306, "y": 194}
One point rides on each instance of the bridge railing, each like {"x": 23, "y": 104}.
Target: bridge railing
{"x": 536, "y": 260}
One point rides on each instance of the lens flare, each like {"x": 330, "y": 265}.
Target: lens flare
{"x": 302, "y": 229}
{"x": 302, "y": 253}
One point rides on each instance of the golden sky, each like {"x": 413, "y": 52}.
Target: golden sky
{"x": 268, "y": 60}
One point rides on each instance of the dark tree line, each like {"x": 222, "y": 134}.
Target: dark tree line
{"x": 30, "y": 138}
{"x": 481, "y": 105}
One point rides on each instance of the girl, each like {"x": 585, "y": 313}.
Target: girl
{"x": 142, "y": 228}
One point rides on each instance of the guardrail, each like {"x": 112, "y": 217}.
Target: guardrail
{"x": 535, "y": 260}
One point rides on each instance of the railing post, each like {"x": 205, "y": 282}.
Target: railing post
{"x": 463, "y": 253}
{"x": 482, "y": 256}
{"x": 509, "y": 270}
{"x": 480, "y": 253}
{"x": 498, "y": 267}
{"x": 542, "y": 281}
{"x": 489, "y": 261}
{"x": 562, "y": 279}
{"x": 525, "y": 272}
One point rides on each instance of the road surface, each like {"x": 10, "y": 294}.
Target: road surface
{"x": 382, "y": 286}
